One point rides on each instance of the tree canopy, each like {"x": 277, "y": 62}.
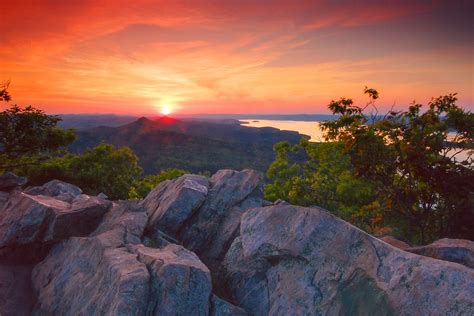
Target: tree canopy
{"x": 414, "y": 159}
{"x": 103, "y": 169}
{"x": 29, "y": 136}
{"x": 409, "y": 170}
{"x": 324, "y": 178}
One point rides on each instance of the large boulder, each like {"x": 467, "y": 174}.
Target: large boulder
{"x": 123, "y": 224}
{"x": 111, "y": 273}
{"x": 28, "y": 222}
{"x": 9, "y": 182}
{"x": 456, "y": 250}
{"x": 56, "y": 188}
{"x": 211, "y": 230}
{"x": 16, "y": 294}
{"x": 80, "y": 219}
{"x": 296, "y": 260}
{"x": 84, "y": 276}
{"x": 171, "y": 203}
{"x": 180, "y": 282}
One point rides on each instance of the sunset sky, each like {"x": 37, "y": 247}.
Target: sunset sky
{"x": 136, "y": 57}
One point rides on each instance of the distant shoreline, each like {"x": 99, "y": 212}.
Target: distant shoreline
{"x": 273, "y": 117}
{"x": 310, "y": 129}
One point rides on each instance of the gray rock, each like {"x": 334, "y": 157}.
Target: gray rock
{"x": 123, "y": 224}
{"x": 56, "y": 188}
{"x": 244, "y": 280}
{"x": 181, "y": 283}
{"x": 80, "y": 219}
{"x": 153, "y": 199}
{"x": 16, "y": 294}
{"x": 281, "y": 202}
{"x": 3, "y": 199}
{"x": 395, "y": 242}
{"x": 96, "y": 275}
{"x": 109, "y": 273}
{"x": 296, "y": 260}
{"x": 25, "y": 219}
{"x": 9, "y": 181}
{"x": 102, "y": 195}
{"x": 171, "y": 203}
{"x": 28, "y": 221}
{"x": 220, "y": 307}
{"x": 215, "y": 225}
{"x": 158, "y": 239}
{"x": 84, "y": 276}
{"x": 455, "y": 250}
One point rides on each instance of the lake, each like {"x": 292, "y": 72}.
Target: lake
{"x": 313, "y": 129}
{"x": 310, "y": 128}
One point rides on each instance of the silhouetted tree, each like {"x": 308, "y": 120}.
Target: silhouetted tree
{"x": 4, "y": 95}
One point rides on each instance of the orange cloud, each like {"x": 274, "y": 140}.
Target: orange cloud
{"x": 228, "y": 56}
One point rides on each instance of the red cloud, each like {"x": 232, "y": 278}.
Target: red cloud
{"x": 88, "y": 53}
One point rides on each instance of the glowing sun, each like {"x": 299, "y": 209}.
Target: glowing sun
{"x": 166, "y": 110}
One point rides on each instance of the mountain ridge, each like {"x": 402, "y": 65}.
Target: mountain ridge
{"x": 196, "y": 146}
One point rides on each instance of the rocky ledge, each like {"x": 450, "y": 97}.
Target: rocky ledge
{"x": 200, "y": 246}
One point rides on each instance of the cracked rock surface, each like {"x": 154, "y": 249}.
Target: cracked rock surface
{"x": 208, "y": 246}
{"x": 300, "y": 260}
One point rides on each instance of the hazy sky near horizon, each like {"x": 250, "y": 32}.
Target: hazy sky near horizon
{"x": 233, "y": 56}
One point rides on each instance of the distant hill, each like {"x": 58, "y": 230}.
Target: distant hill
{"x": 192, "y": 145}
{"x": 86, "y": 121}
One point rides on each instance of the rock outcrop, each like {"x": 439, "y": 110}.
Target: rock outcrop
{"x": 16, "y": 293}
{"x": 111, "y": 273}
{"x": 295, "y": 260}
{"x": 58, "y": 189}
{"x": 199, "y": 246}
{"x": 454, "y": 250}
{"x": 210, "y": 232}
{"x": 29, "y": 222}
{"x": 180, "y": 282}
{"x": 171, "y": 203}
{"x": 9, "y": 182}
{"x": 204, "y": 215}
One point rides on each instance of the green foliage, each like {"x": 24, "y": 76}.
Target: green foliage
{"x": 412, "y": 158}
{"x": 29, "y": 136}
{"x": 411, "y": 171}
{"x": 31, "y": 144}
{"x": 102, "y": 169}
{"x": 325, "y": 178}
{"x": 143, "y": 186}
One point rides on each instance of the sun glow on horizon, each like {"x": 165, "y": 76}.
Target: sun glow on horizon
{"x": 166, "y": 109}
